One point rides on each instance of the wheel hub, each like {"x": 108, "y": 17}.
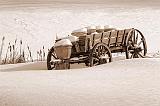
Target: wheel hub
{"x": 136, "y": 49}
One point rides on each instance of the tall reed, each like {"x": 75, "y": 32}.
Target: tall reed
{"x": 5, "y": 60}
{"x": 10, "y": 49}
{"x": 37, "y": 55}
{"x": 3, "y": 38}
{"x": 43, "y": 54}
{"x": 40, "y": 55}
{"x": 30, "y": 54}
{"x": 20, "y": 47}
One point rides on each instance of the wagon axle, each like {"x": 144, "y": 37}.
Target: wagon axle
{"x": 136, "y": 49}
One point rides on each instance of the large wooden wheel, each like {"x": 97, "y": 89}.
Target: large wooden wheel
{"x": 136, "y": 46}
{"x": 51, "y": 57}
{"x": 100, "y": 54}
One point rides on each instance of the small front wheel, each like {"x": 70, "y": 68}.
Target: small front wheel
{"x": 50, "y": 59}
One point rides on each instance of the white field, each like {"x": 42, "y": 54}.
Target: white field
{"x": 120, "y": 83}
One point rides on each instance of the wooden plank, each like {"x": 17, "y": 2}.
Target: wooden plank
{"x": 95, "y": 38}
{"x": 106, "y": 37}
{"x": 97, "y": 41}
{"x": 77, "y": 47}
{"x": 98, "y": 36}
{"x": 87, "y": 43}
{"x": 120, "y": 33}
{"x": 106, "y": 40}
{"x": 106, "y": 34}
{"x": 82, "y": 48}
{"x": 126, "y": 31}
{"x": 82, "y": 40}
{"x": 101, "y": 37}
{"x": 112, "y": 40}
{"x": 117, "y": 38}
{"x": 114, "y": 33}
{"x": 120, "y": 37}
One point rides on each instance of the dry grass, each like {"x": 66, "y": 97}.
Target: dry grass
{"x": 16, "y": 54}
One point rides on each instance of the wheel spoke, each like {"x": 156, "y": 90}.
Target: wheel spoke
{"x": 106, "y": 52}
{"x": 52, "y": 68}
{"x": 133, "y": 37}
{"x": 103, "y": 50}
{"x": 141, "y": 55}
{"x": 136, "y": 38}
{"x": 96, "y": 56}
{"x": 53, "y": 55}
{"x": 130, "y": 51}
{"x": 98, "y": 51}
{"x": 132, "y": 55}
{"x": 137, "y": 56}
{"x": 140, "y": 42}
{"x": 131, "y": 43}
{"x": 95, "y": 61}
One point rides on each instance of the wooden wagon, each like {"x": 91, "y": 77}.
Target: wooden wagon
{"x": 96, "y": 49}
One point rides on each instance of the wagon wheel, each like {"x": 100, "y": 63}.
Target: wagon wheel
{"x": 136, "y": 46}
{"x": 50, "y": 59}
{"x": 100, "y": 54}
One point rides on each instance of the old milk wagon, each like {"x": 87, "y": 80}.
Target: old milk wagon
{"x": 95, "y": 45}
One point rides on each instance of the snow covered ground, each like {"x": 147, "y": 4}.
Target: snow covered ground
{"x": 121, "y": 83}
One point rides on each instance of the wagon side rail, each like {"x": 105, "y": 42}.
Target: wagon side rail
{"x": 115, "y": 39}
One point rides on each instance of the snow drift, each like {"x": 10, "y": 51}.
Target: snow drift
{"x": 121, "y": 83}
